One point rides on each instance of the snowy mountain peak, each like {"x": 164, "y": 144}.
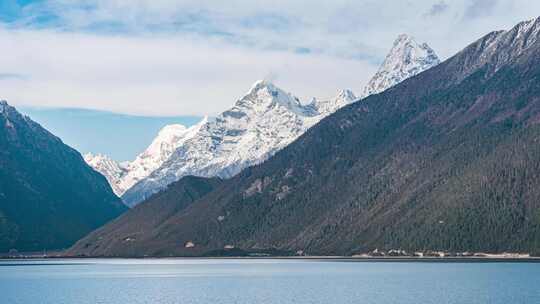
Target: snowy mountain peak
{"x": 258, "y": 125}
{"x": 261, "y": 89}
{"x": 403, "y": 39}
{"x": 203, "y": 121}
{"x": 91, "y": 156}
{"x": 166, "y": 136}
{"x": 527, "y": 25}
{"x": 407, "y": 58}
{"x": 264, "y": 95}
{"x": 112, "y": 170}
{"x": 170, "y": 130}
{"x": 329, "y": 106}
{"x": 260, "y": 84}
{"x": 500, "y": 47}
{"x": 264, "y": 88}
{"x": 346, "y": 94}
{"x": 122, "y": 176}
{"x": 10, "y": 114}
{"x": 4, "y": 106}
{"x": 95, "y": 159}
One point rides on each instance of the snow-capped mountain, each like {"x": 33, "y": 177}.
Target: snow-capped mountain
{"x": 111, "y": 169}
{"x": 326, "y": 107}
{"x": 259, "y": 124}
{"x": 169, "y": 138}
{"x": 407, "y": 58}
{"x": 123, "y": 176}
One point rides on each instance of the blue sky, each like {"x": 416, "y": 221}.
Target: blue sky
{"x": 196, "y": 57}
{"x": 119, "y": 136}
{"x": 11, "y": 10}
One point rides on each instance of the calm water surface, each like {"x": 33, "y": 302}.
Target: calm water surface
{"x": 170, "y": 281}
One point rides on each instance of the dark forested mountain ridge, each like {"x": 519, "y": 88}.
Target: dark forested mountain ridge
{"x": 49, "y": 197}
{"x": 447, "y": 160}
{"x": 137, "y": 231}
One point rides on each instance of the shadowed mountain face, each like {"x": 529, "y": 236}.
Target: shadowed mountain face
{"x": 49, "y": 197}
{"x": 138, "y": 227}
{"x": 447, "y": 160}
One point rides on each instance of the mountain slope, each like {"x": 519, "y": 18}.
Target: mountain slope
{"x": 137, "y": 227}
{"x": 446, "y": 160}
{"x": 49, "y": 197}
{"x": 406, "y": 59}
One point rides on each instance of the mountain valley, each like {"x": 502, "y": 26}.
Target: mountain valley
{"x": 445, "y": 160}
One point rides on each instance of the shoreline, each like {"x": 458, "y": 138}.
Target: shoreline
{"x": 304, "y": 258}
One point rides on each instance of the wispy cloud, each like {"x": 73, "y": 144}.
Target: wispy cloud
{"x": 438, "y": 9}
{"x": 12, "y": 76}
{"x": 479, "y": 8}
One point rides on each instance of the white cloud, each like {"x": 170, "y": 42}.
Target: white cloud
{"x": 197, "y": 57}
{"x": 158, "y": 75}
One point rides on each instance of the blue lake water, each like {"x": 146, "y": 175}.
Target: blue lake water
{"x": 239, "y": 281}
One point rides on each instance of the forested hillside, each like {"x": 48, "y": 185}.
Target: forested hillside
{"x": 447, "y": 160}
{"x": 49, "y": 196}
